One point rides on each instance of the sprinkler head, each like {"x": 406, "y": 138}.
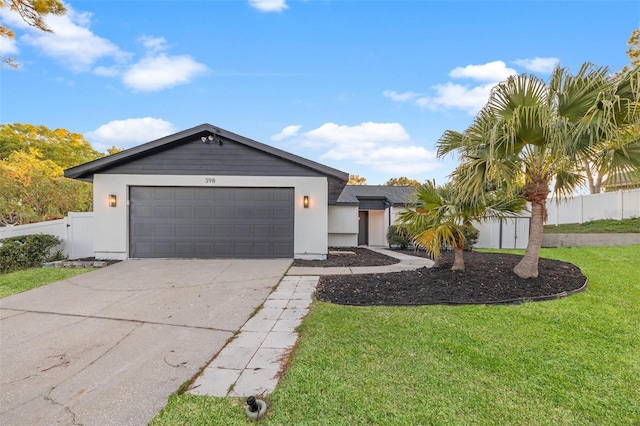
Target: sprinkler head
{"x": 256, "y": 408}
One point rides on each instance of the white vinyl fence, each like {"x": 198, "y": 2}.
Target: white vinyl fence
{"x": 75, "y": 231}
{"x": 514, "y": 232}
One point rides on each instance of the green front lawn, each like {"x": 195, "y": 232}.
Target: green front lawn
{"x": 574, "y": 361}
{"x": 19, "y": 281}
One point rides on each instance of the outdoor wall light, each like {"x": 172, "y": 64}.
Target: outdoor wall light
{"x": 211, "y": 138}
{"x": 305, "y": 201}
{"x": 113, "y": 200}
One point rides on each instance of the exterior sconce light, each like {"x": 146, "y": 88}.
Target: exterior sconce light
{"x": 305, "y": 201}
{"x": 113, "y": 200}
{"x": 210, "y": 138}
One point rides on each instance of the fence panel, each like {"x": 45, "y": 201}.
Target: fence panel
{"x": 80, "y": 235}
{"x": 75, "y": 231}
{"x": 631, "y": 204}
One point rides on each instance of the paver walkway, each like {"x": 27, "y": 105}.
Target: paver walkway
{"x": 252, "y": 362}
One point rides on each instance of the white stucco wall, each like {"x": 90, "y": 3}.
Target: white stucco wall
{"x": 111, "y": 238}
{"x": 343, "y": 226}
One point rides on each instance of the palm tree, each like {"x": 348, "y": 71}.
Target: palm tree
{"x": 440, "y": 216}
{"x": 537, "y": 135}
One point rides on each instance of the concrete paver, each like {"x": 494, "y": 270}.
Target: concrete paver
{"x": 251, "y": 363}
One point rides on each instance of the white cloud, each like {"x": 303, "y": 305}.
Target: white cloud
{"x": 467, "y": 97}
{"x": 129, "y": 132}
{"x": 285, "y": 133}
{"x": 541, "y": 65}
{"x": 153, "y": 44}
{"x": 72, "y": 42}
{"x": 400, "y": 97}
{"x": 494, "y": 72}
{"x": 8, "y": 46}
{"x": 74, "y": 45}
{"x": 450, "y": 95}
{"x": 366, "y": 134}
{"x": 269, "y": 5}
{"x": 151, "y": 74}
{"x": 382, "y": 147}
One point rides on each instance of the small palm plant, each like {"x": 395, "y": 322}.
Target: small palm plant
{"x": 441, "y": 216}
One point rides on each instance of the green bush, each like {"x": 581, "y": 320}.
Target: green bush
{"x": 398, "y": 236}
{"x": 27, "y": 251}
{"x": 471, "y": 237}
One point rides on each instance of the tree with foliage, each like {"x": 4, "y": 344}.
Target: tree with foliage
{"x": 33, "y": 13}
{"x": 443, "y": 216}
{"x": 33, "y": 189}
{"x": 532, "y": 135}
{"x": 402, "y": 181}
{"x": 634, "y": 48}
{"x": 357, "y": 180}
{"x": 114, "y": 150}
{"x": 64, "y": 148}
{"x": 32, "y": 185}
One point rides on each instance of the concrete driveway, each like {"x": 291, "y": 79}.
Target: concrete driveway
{"x": 108, "y": 347}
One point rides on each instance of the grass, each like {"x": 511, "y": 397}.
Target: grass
{"x": 574, "y": 361}
{"x": 602, "y": 226}
{"x": 19, "y": 281}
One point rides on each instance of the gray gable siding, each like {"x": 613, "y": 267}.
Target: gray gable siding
{"x": 184, "y": 153}
{"x": 197, "y": 158}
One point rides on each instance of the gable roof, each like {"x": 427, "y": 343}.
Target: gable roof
{"x": 395, "y": 195}
{"x": 87, "y": 170}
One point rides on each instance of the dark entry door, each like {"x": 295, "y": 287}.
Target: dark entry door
{"x": 363, "y": 228}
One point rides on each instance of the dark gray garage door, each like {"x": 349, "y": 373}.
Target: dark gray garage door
{"x": 211, "y": 222}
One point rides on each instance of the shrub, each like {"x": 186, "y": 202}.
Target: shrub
{"x": 398, "y": 236}
{"x": 27, "y": 251}
{"x": 471, "y": 237}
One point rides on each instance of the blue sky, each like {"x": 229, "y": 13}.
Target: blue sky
{"x": 366, "y": 87}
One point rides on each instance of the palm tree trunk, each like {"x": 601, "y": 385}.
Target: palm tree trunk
{"x": 528, "y": 266}
{"x": 458, "y": 259}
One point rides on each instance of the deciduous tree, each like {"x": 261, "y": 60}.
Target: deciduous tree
{"x": 402, "y": 181}
{"x": 32, "y": 185}
{"x": 33, "y": 189}
{"x": 357, "y": 180}
{"x": 33, "y": 13}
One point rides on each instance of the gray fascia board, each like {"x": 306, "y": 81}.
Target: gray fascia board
{"x": 86, "y": 171}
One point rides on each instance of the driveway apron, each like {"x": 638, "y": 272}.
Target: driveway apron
{"x": 108, "y": 347}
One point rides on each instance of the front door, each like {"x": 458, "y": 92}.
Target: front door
{"x": 363, "y": 228}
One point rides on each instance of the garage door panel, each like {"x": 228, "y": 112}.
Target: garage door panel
{"x": 243, "y": 213}
{"x": 184, "y": 249}
{"x": 162, "y": 212}
{"x": 282, "y": 214}
{"x": 222, "y": 213}
{"x": 183, "y": 230}
{"x": 202, "y": 212}
{"x": 203, "y": 230}
{"x": 183, "y": 212}
{"x": 211, "y": 222}
{"x": 163, "y": 230}
{"x": 263, "y": 213}
{"x": 162, "y": 194}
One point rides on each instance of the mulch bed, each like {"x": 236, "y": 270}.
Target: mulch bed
{"x": 487, "y": 279}
{"x": 360, "y": 257}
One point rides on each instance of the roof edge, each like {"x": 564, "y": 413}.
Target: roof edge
{"x": 83, "y": 171}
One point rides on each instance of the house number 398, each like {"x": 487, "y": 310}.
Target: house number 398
{"x": 209, "y": 180}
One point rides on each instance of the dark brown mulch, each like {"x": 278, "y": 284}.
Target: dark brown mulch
{"x": 488, "y": 279}
{"x": 362, "y": 257}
